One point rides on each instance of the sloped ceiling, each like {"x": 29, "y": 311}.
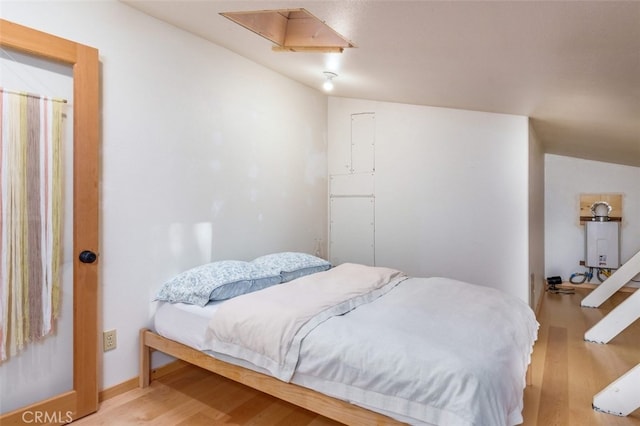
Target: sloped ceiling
{"x": 572, "y": 66}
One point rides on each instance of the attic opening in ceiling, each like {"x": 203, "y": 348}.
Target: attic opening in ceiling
{"x": 291, "y": 30}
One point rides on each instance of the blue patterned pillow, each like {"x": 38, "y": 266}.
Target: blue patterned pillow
{"x": 291, "y": 265}
{"x": 217, "y": 281}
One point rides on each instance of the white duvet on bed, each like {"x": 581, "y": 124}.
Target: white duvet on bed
{"x": 437, "y": 350}
{"x": 267, "y": 327}
{"x": 432, "y": 350}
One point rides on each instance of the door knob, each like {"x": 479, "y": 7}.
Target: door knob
{"x": 87, "y": 256}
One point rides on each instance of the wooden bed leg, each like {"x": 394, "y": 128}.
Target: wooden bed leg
{"x": 529, "y": 375}
{"x": 145, "y": 361}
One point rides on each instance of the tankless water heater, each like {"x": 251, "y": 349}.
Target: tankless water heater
{"x": 602, "y": 244}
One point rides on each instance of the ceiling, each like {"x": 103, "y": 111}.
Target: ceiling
{"x": 572, "y": 66}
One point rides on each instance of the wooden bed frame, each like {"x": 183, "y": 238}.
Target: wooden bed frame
{"x": 327, "y": 406}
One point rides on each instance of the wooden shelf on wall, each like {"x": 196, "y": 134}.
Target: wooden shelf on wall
{"x": 587, "y": 200}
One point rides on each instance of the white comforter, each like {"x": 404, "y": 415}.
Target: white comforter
{"x": 430, "y": 350}
{"x": 267, "y": 327}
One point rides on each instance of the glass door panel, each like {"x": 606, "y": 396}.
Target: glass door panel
{"x": 44, "y": 368}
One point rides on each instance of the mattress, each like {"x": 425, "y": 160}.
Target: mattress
{"x": 431, "y": 351}
{"x": 188, "y": 324}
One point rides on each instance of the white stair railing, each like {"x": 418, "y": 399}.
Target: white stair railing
{"x": 621, "y": 397}
{"x": 624, "y": 314}
{"x": 615, "y": 321}
{"x": 615, "y": 282}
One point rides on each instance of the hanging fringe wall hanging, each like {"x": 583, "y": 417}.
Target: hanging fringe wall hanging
{"x": 30, "y": 218}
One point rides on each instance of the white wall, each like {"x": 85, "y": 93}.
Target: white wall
{"x": 565, "y": 179}
{"x": 451, "y": 190}
{"x": 205, "y": 156}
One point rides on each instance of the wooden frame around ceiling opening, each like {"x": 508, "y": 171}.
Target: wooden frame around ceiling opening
{"x": 291, "y": 30}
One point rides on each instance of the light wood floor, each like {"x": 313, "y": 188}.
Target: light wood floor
{"x": 567, "y": 372}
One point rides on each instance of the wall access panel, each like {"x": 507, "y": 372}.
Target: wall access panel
{"x": 363, "y": 139}
{"x": 351, "y": 230}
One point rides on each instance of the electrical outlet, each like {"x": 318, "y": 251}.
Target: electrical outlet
{"x": 109, "y": 340}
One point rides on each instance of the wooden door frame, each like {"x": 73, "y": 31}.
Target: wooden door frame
{"x": 83, "y": 399}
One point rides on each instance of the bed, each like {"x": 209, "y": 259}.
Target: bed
{"x": 362, "y": 345}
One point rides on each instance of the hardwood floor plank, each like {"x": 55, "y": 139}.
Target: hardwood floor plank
{"x": 197, "y": 419}
{"x": 251, "y": 408}
{"x": 296, "y": 417}
{"x": 554, "y": 400}
{"x": 271, "y": 415}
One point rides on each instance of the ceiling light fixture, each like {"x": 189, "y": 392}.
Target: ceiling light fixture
{"x": 328, "y": 83}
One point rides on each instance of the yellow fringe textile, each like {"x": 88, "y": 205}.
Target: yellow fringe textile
{"x": 31, "y": 214}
